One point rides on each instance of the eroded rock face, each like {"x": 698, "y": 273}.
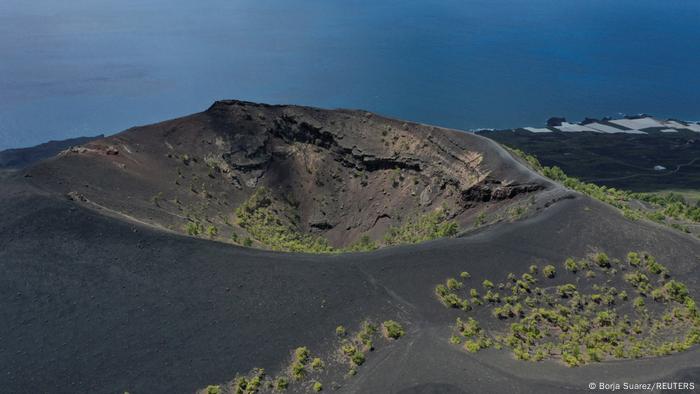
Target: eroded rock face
{"x": 495, "y": 190}
{"x": 343, "y": 173}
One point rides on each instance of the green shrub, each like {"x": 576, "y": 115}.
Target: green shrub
{"x": 453, "y": 284}
{"x": 654, "y": 267}
{"x": 358, "y": 358}
{"x": 468, "y": 328}
{"x": 425, "y": 227}
{"x": 364, "y": 336}
{"x": 571, "y": 265}
{"x": 491, "y": 296}
{"x": 301, "y": 354}
{"x": 633, "y": 259}
{"x": 317, "y": 386}
{"x": 340, "y": 331}
{"x": 567, "y": 290}
{"x": 281, "y": 383}
{"x": 487, "y": 284}
{"x": 465, "y": 275}
{"x": 194, "y": 228}
{"x": 471, "y": 346}
{"x": 549, "y": 271}
{"x": 583, "y": 265}
{"x": 317, "y": 364}
{"x": 529, "y": 278}
{"x": 637, "y": 279}
{"x": 393, "y": 329}
{"x": 452, "y": 300}
{"x": 658, "y": 295}
{"x": 214, "y": 389}
{"x": 602, "y": 260}
{"x": 570, "y": 360}
{"x": 676, "y": 291}
{"x": 298, "y": 371}
{"x": 533, "y": 269}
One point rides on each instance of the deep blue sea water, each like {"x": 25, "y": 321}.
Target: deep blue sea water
{"x": 84, "y": 67}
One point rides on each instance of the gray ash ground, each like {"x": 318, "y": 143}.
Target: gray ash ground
{"x": 93, "y": 302}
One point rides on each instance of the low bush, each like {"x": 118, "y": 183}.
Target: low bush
{"x": 393, "y": 329}
{"x": 602, "y": 260}
{"x": 340, "y": 331}
{"x": 317, "y": 364}
{"x": 213, "y": 389}
{"x": 567, "y": 290}
{"x": 429, "y": 226}
{"x": 281, "y": 383}
{"x": 453, "y": 284}
{"x": 549, "y": 271}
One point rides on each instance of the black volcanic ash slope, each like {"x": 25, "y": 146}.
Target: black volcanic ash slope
{"x": 339, "y": 174}
{"x": 102, "y": 303}
{"x": 92, "y": 303}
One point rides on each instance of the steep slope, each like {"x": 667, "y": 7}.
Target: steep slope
{"x": 338, "y": 174}
{"x": 91, "y": 303}
{"x": 98, "y": 295}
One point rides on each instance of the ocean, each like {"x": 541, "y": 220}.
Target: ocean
{"x": 86, "y": 67}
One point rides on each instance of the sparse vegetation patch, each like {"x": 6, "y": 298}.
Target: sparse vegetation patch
{"x": 669, "y": 209}
{"x": 584, "y": 320}
{"x": 429, "y": 226}
{"x": 272, "y": 224}
{"x": 392, "y": 329}
{"x": 271, "y": 227}
{"x": 305, "y": 369}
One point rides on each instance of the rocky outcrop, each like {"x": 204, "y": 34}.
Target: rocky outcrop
{"x": 493, "y": 190}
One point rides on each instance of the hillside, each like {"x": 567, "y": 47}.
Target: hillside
{"x": 325, "y": 179}
{"x": 103, "y": 291}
